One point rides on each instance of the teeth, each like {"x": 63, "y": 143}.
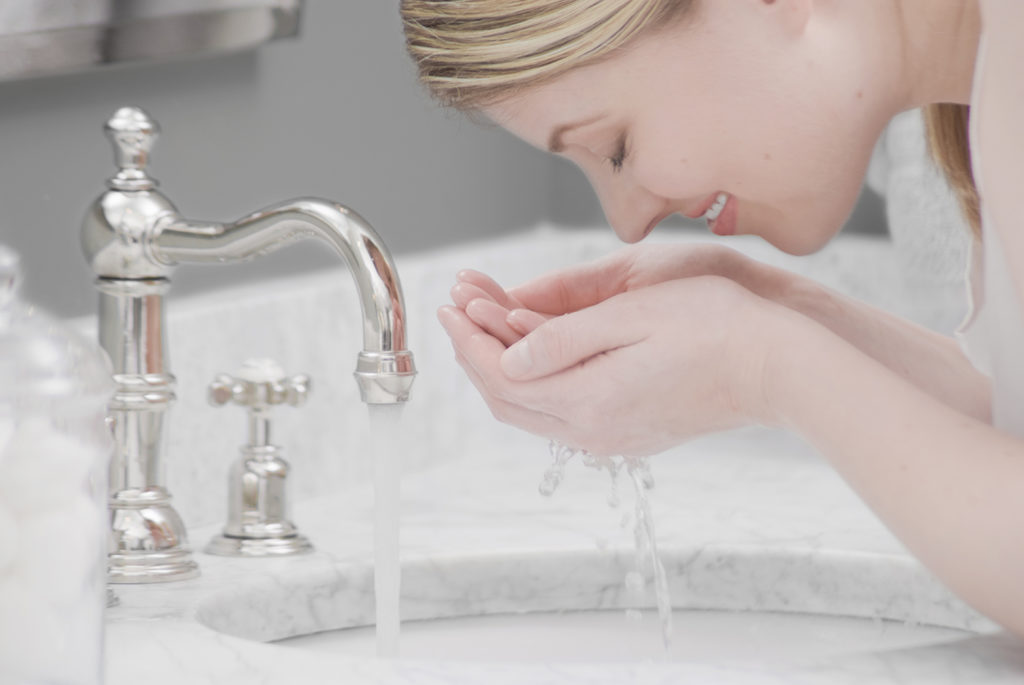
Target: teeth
{"x": 716, "y": 208}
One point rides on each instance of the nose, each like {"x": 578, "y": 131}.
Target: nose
{"x": 629, "y": 207}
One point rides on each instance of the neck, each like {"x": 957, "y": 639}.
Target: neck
{"x": 939, "y": 44}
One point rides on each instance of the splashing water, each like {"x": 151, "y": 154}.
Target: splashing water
{"x": 556, "y": 472}
{"x": 639, "y": 471}
{"x": 646, "y": 540}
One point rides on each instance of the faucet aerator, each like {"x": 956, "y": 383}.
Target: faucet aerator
{"x": 385, "y": 377}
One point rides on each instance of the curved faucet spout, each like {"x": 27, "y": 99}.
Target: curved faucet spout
{"x": 385, "y": 368}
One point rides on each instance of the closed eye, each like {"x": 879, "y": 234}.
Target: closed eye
{"x": 620, "y": 155}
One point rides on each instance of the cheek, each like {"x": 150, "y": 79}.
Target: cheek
{"x": 810, "y": 178}
{"x": 675, "y": 162}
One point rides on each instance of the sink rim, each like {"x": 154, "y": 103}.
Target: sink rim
{"x": 826, "y": 582}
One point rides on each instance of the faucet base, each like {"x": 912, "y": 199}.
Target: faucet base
{"x": 151, "y": 567}
{"x": 148, "y": 541}
{"x": 228, "y": 546}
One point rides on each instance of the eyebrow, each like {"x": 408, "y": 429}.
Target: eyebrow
{"x": 555, "y": 142}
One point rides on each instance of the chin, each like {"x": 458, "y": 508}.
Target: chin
{"x": 792, "y": 241}
{"x": 807, "y": 234}
{"x": 803, "y": 245}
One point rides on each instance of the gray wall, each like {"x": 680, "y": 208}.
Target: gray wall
{"x": 335, "y": 113}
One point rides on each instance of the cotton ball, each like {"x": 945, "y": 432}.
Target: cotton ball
{"x": 43, "y": 467}
{"x": 76, "y": 646}
{"x": 81, "y": 658}
{"x": 61, "y": 550}
{"x": 30, "y": 634}
{"x": 8, "y": 539}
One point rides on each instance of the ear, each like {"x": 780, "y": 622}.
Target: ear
{"x": 792, "y": 15}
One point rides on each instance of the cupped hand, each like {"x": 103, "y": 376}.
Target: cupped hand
{"x": 510, "y": 314}
{"x": 639, "y": 266}
{"x": 492, "y": 308}
{"x": 633, "y": 373}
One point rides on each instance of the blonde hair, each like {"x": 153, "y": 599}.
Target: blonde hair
{"x": 471, "y": 53}
{"x": 947, "y": 126}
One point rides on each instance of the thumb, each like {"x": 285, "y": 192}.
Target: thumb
{"x": 565, "y": 341}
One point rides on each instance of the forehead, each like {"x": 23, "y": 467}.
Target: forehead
{"x": 609, "y": 88}
{"x": 536, "y": 112}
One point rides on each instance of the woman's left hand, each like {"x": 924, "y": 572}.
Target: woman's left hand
{"x": 634, "y": 374}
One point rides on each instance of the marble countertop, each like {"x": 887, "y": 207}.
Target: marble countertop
{"x": 746, "y": 520}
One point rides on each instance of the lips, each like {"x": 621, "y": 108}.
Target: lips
{"x": 710, "y": 210}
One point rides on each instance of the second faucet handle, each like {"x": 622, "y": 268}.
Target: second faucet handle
{"x": 259, "y": 385}
{"x": 258, "y": 523}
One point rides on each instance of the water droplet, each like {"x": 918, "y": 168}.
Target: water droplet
{"x": 646, "y": 548}
{"x": 635, "y": 581}
{"x": 556, "y": 472}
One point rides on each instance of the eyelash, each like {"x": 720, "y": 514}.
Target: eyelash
{"x": 620, "y": 156}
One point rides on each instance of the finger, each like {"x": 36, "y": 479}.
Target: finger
{"x": 483, "y": 351}
{"x": 565, "y": 341}
{"x": 489, "y": 286}
{"x": 533, "y": 421}
{"x": 575, "y": 288}
{"x": 464, "y": 293}
{"x": 467, "y": 337}
{"x": 524, "y": 321}
{"x": 492, "y": 318}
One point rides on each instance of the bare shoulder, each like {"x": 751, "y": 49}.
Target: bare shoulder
{"x": 1003, "y": 31}
{"x": 998, "y": 121}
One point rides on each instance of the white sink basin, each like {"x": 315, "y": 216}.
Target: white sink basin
{"x": 699, "y": 636}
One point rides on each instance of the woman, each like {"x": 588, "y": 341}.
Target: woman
{"x": 760, "y": 115}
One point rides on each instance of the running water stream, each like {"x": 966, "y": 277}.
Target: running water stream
{"x": 386, "y": 454}
{"x": 639, "y": 472}
{"x": 387, "y": 571}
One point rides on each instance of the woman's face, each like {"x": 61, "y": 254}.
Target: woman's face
{"x": 751, "y": 99}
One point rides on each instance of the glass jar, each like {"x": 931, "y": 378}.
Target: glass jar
{"x": 55, "y": 449}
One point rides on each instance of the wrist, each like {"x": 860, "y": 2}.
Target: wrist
{"x": 784, "y": 338}
{"x": 799, "y": 293}
{"x": 798, "y": 364}
{"x": 778, "y": 285}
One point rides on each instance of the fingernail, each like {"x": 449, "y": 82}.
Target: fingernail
{"x": 516, "y": 361}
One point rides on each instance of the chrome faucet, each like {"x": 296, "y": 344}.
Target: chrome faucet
{"x": 133, "y": 239}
